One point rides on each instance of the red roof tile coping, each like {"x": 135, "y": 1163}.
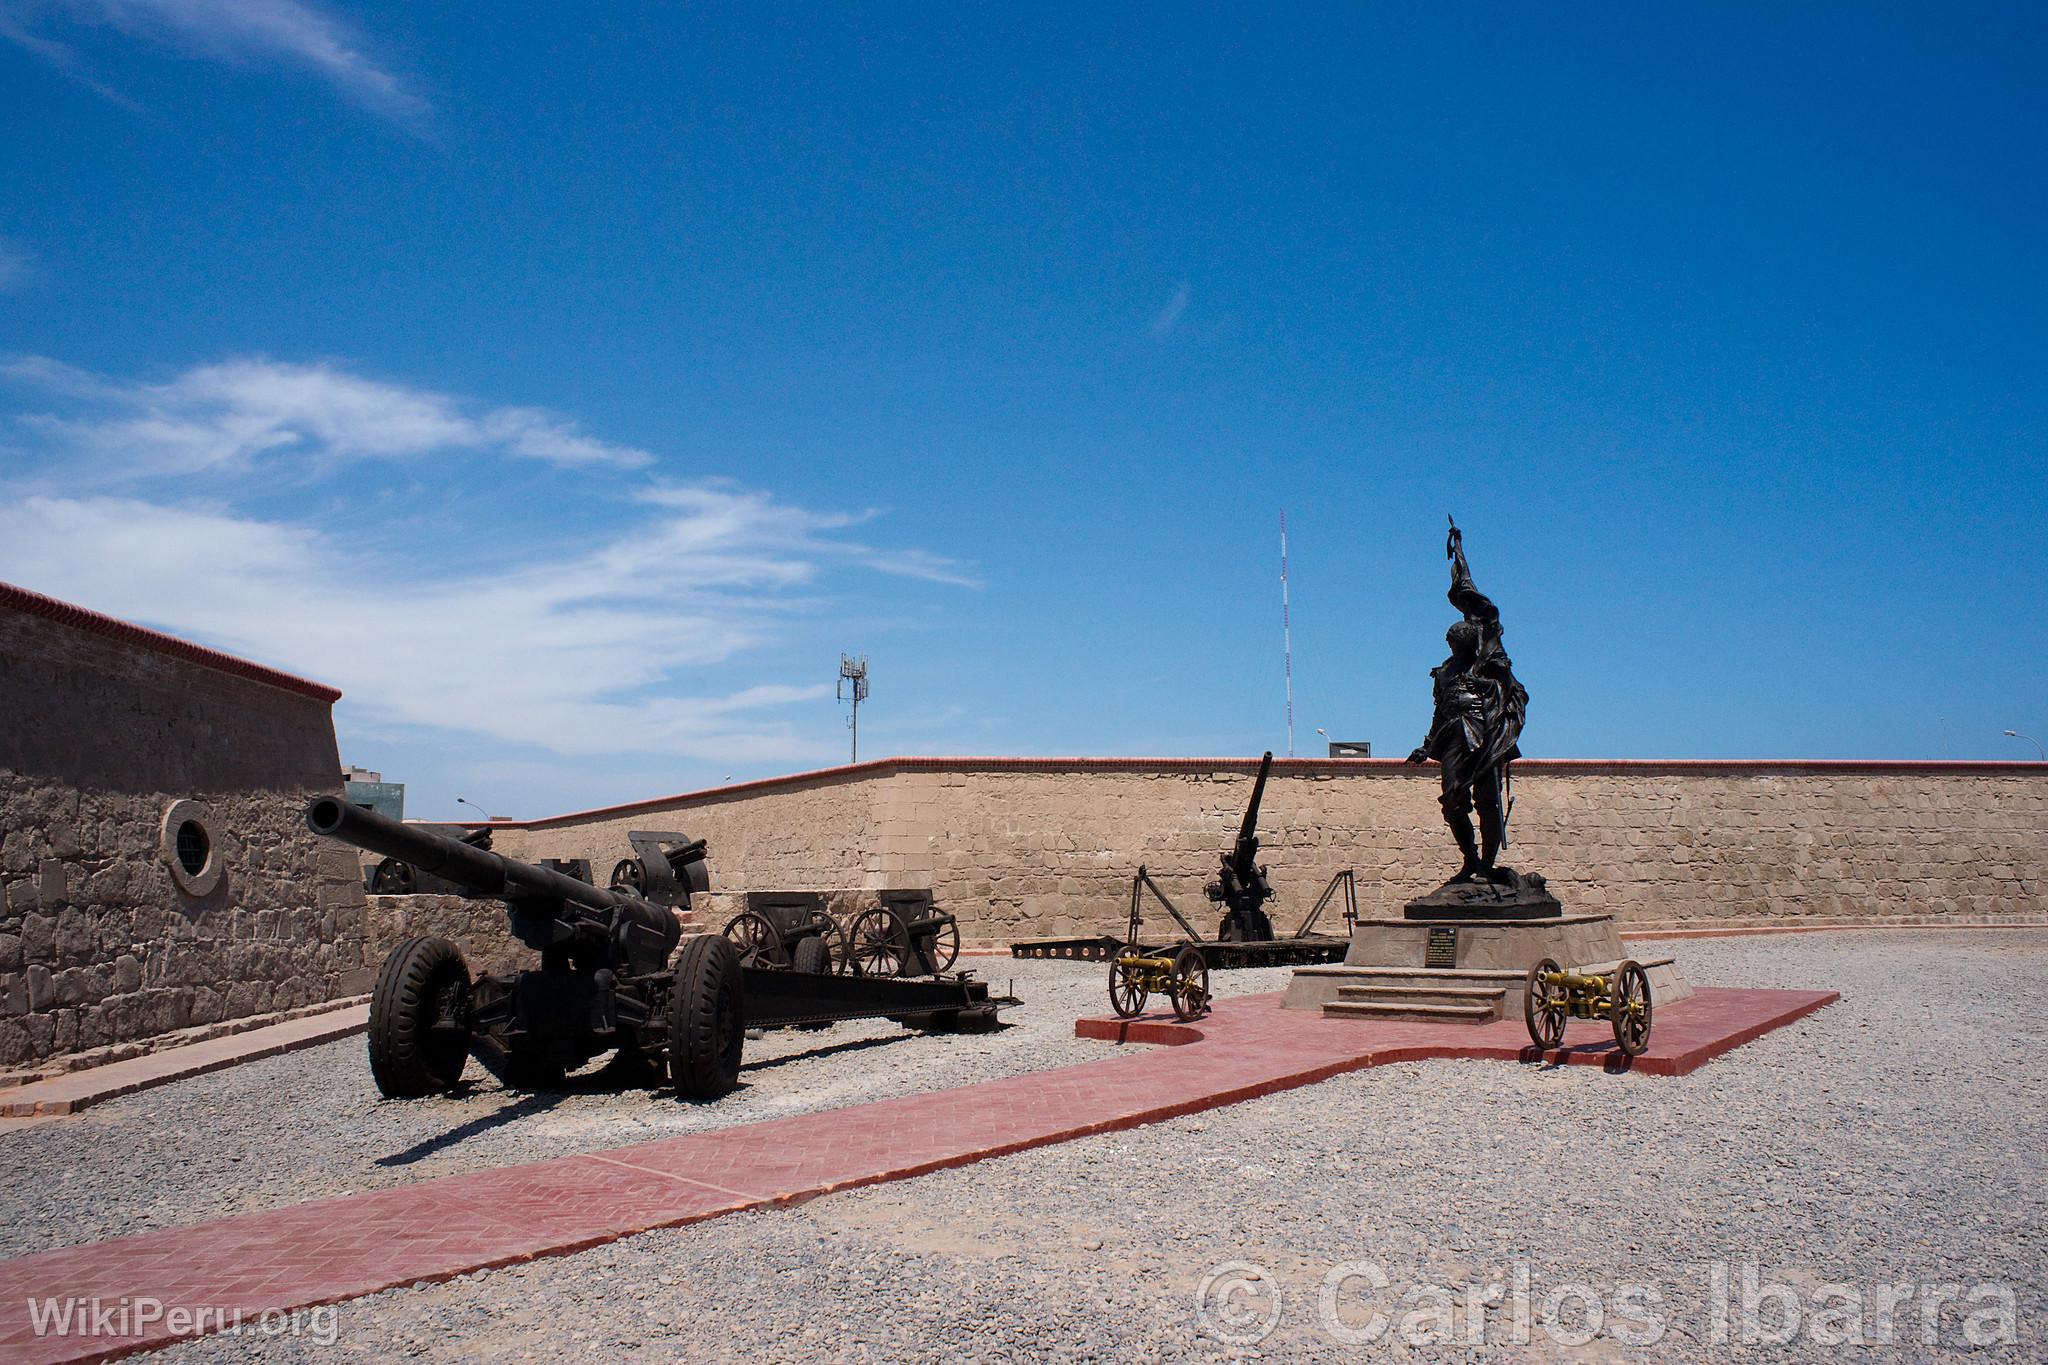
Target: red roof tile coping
{"x": 127, "y": 632}
{"x": 1384, "y": 767}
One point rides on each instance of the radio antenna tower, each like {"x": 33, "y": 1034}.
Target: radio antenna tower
{"x": 1286, "y": 635}
{"x": 854, "y": 671}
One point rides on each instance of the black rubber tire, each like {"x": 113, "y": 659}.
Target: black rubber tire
{"x": 707, "y": 1019}
{"x": 409, "y": 1058}
{"x": 811, "y": 956}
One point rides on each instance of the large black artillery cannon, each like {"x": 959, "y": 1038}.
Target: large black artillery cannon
{"x": 611, "y": 978}
{"x": 1244, "y": 935}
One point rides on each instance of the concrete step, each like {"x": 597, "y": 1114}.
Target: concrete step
{"x": 1425, "y": 995}
{"x": 1415, "y": 1010}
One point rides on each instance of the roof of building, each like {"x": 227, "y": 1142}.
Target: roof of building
{"x": 141, "y": 637}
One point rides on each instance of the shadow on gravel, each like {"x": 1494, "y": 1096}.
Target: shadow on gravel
{"x": 831, "y": 1050}
{"x": 525, "y": 1107}
{"x": 1613, "y": 1063}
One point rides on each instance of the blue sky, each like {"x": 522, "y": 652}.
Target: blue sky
{"x": 571, "y": 385}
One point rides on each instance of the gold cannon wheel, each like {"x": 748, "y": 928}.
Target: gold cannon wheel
{"x": 1127, "y": 994}
{"x": 1630, "y": 1009}
{"x": 1543, "y": 1005}
{"x": 1190, "y": 989}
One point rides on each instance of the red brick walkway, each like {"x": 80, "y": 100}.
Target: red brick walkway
{"x": 335, "y": 1249}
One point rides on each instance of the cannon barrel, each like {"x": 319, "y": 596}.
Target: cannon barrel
{"x": 480, "y": 870}
{"x": 1248, "y": 830}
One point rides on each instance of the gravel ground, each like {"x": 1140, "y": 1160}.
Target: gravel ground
{"x": 221, "y": 1144}
{"x": 1896, "y": 1138}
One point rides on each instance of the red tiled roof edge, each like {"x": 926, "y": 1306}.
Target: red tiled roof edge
{"x": 1725, "y": 767}
{"x": 127, "y": 632}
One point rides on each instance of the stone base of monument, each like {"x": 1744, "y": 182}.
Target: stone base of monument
{"x": 1464, "y": 970}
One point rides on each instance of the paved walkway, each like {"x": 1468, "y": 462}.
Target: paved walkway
{"x": 75, "y": 1090}
{"x": 334, "y": 1249}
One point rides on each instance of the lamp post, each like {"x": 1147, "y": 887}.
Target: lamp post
{"x": 465, "y": 801}
{"x": 2014, "y": 734}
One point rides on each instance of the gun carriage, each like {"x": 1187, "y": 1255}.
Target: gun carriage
{"x": 1244, "y": 934}
{"x": 1135, "y": 971}
{"x": 1553, "y": 994}
{"x": 788, "y": 929}
{"x": 615, "y": 974}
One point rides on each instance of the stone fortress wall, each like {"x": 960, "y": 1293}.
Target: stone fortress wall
{"x": 1031, "y": 848}
{"x": 106, "y": 730}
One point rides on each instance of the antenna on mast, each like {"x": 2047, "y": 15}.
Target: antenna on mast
{"x": 1286, "y": 635}
{"x": 855, "y": 671}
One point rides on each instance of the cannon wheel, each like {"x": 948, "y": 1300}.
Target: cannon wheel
{"x": 393, "y": 877}
{"x": 757, "y": 941}
{"x": 878, "y": 944}
{"x": 1631, "y": 1008}
{"x": 1543, "y": 1005}
{"x": 944, "y": 949}
{"x": 707, "y": 1019}
{"x": 1127, "y": 995}
{"x": 1190, "y": 992}
{"x": 630, "y": 877}
{"x": 415, "y": 1049}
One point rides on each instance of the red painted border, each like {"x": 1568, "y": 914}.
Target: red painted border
{"x": 1375, "y": 767}
{"x": 128, "y": 633}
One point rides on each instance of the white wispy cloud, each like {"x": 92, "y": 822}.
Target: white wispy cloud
{"x": 579, "y": 644}
{"x": 561, "y": 653}
{"x": 1169, "y": 316}
{"x": 238, "y": 413}
{"x": 253, "y": 32}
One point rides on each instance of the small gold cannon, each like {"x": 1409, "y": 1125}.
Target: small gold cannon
{"x": 1622, "y": 996}
{"x": 1134, "y": 973}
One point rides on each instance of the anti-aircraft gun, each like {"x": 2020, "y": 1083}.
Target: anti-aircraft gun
{"x": 610, "y": 978}
{"x": 1241, "y": 887}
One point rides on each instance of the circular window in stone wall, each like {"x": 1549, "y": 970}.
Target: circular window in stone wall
{"x": 188, "y": 848}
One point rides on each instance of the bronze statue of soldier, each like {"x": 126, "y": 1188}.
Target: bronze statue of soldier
{"x": 1474, "y": 732}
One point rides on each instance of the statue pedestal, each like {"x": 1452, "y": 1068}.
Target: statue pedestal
{"x": 1464, "y": 970}
{"x": 1523, "y": 896}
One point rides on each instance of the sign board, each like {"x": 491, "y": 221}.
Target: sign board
{"x": 1442, "y": 949}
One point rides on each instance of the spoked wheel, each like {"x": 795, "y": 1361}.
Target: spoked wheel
{"x": 1127, "y": 995}
{"x": 707, "y": 1019}
{"x": 419, "y": 1019}
{"x": 1631, "y": 1008}
{"x": 943, "y": 945}
{"x": 1543, "y": 1005}
{"x": 879, "y": 943}
{"x": 392, "y": 878}
{"x": 630, "y": 877}
{"x": 1190, "y": 985}
{"x": 755, "y": 940}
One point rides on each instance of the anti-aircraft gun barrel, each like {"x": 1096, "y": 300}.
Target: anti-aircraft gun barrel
{"x": 1249, "y": 829}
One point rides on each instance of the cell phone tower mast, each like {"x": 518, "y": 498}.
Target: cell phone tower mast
{"x": 1286, "y": 635}
{"x": 855, "y": 672}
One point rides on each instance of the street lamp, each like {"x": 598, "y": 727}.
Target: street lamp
{"x": 465, "y": 801}
{"x": 2014, "y": 734}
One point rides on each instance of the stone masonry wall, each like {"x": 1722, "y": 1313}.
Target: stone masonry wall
{"x": 1043, "y": 848}
{"x": 98, "y": 942}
